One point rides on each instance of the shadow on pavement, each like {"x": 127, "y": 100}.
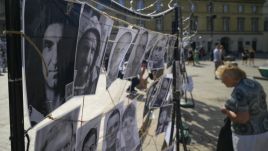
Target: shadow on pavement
{"x": 205, "y": 122}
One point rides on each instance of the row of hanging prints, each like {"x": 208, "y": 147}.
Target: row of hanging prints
{"x": 75, "y": 81}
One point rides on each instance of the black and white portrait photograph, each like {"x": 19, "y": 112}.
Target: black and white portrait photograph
{"x": 153, "y": 36}
{"x": 162, "y": 92}
{"x": 137, "y": 54}
{"x": 149, "y": 97}
{"x": 164, "y": 118}
{"x": 60, "y": 134}
{"x": 129, "y": 129}
{"x": 168, "y": 132}
{"x": 170, "y": 50}
{"x": 88, "y": 135}
{"x": 124, "y": 38}
{"x": 92, "y": 37}
{"x": 156, "y": 58}
{"x": 169, "y": 98}
{"x": 112, "y": 134}
{"x": 52, "y": 25}
{"x": 179, "y": 76}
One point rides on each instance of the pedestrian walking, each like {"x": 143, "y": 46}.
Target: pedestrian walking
{"x": 251, "y": 56}
{"x": 196, "y": 56}
{"x": 190, "y": 58}
{"x": 217, "y": 57}
{"x": 244, "y": 55}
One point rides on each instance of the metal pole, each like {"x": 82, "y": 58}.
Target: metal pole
{"x": 12, "y": 9}
{"x": 211, "y": 29}
{"x": 174, "y": 30}
{"x": 176, "y": 114}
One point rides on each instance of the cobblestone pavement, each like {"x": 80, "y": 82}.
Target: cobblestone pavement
{"x": 205, "y": 119}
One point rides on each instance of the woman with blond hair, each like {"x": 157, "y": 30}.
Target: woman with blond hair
{"x": 246, "y": 108}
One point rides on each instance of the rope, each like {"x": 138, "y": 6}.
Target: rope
{"x": 30, "y": 41}
{"x": 28, "y": 141}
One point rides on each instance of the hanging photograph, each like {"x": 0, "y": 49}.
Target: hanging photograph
{"x": 179, "y": 76}
{"x": 170, "y": 50}
{"x": 107, "y": 53}
{"x": 88, "y": 135}
{"x": 156, "y": 58}
{"x": 94, "y": 30}
{"x": 137, "y": 54}
{"x": 169, "y": 98}
{"x": 161, "y": 94}
{"x": 60, "y": 134}
{"x": 112, "y": 134}
{"x": 129, "y": 128}
{"x": 149, "y": 97}
{"x": 164, "y": 118}
{"x": 153, "y": 36}
{"x": 124, "y": 38}
{"x": 52, "y": 25}
{"x": 168, "y": 132}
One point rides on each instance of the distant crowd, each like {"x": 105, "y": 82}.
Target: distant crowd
{"x": 194, "y": 55}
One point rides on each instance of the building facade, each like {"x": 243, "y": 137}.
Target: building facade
{"x": 236, "y": 24}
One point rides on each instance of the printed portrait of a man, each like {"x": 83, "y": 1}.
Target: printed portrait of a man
{"x": 121, "y": 45}
{"x": 162, "y": 92}
{"x": 88, "y": 134}
{"x": 54, "y": 32}
{"x": 137, "y": 54}
{"x": 164, "y": 118}
{"x": 112, "y": 123}
{"x": 129, "y": 128}
{"x": 59, "y": 134}
{"x": 149, "y": 97}
{"x": 156, "y": 59}
{"x": 152, "y": 39}
{"x": 94, "y": 30}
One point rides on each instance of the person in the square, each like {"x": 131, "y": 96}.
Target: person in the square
{"x": 246, "y": 108}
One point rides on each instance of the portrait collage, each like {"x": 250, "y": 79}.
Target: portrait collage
{"x": 75, "y": 47}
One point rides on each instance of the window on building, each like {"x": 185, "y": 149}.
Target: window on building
{"x": 240, "y": 45}
{"x": 225, "y": 8}
{"x": 159, "y": 24}
{"x": 254, "y": 24}
{"x": 254, "y": 9}
{"x": 266, "y": 24}
{"x": 193, "y": 7}
{"x": 254, "y": 44}
{"x": 100, "y": 7}
{"x": 209, "y": 24}
{"x": 159, "y": 21}
{"x": 210, "y": 7}
{"x": 140, "y": 5}
{"x": 226, "y": 24}
{"x": 122, "y": 2}
{"x": 193, "y": 23}
{"x": 240, "y": 24}
{"x": 240, "y": 8}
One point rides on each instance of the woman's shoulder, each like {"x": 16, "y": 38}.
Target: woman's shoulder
{"x": 249, "y": 84}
